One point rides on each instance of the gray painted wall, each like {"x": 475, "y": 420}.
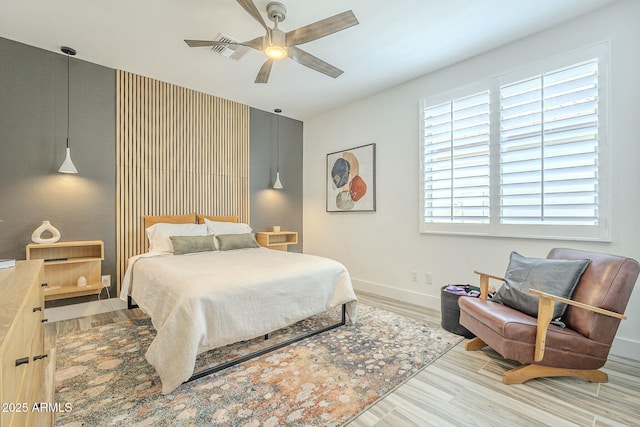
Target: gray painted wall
{"x": 33, "y": 127}
{"x": 271, "y": 207}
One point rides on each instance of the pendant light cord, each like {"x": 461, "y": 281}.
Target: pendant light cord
{"x": 68, "y": 98}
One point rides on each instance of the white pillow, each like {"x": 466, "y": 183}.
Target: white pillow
{"x": 159, "y": 234}
{"x": 219, "y": 227}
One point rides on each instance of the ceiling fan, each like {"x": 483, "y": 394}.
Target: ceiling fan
{"x": 277, "y": 44}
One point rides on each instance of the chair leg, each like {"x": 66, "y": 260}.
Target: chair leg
{"x": 526, "y": 372}
{"x": 475, "y": 344}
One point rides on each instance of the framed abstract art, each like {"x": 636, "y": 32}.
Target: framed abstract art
{"x": 351, "y": 179}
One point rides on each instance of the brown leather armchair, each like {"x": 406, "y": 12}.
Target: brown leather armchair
{"x": 592, "y": 318}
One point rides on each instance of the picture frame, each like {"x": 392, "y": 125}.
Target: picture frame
{"x": 351, "y": 179}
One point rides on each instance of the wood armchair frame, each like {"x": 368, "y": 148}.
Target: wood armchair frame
{"x": 546, "y": 304}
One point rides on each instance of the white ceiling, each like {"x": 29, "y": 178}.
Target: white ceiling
{"x": 396, "y": 40}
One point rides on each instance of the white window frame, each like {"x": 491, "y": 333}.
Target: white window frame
{"x": 599, "y": 232}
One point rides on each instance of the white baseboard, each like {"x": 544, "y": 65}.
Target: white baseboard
{"x": 626, "y": 348}
{"x": 409, "y": 297}
{"x": 73, "y": 311}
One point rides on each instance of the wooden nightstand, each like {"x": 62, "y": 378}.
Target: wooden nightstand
{"x": 277, "y": 240}
{"x": 65, "y": 262}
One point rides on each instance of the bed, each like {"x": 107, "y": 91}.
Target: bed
{"x": 206, "y": 299}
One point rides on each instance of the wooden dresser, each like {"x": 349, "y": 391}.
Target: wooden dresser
{"x": 21, "y": 342}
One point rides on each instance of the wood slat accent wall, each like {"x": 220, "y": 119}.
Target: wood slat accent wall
{"x": 178, "y": 151}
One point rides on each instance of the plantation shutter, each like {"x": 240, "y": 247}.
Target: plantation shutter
{"x": 456, "y": 160}
{"x": 549, "y": 148}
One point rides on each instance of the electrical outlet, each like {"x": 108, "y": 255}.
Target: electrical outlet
{"x": 106, "y": 281}
{"x": 428, "y": 278}
{"x": 414, "y": 276}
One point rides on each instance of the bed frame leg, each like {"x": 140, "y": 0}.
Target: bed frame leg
{"x": 225, "y": 365}
{"x": 130, "y": 303}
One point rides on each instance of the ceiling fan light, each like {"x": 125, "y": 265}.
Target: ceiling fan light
{"x": 275, "y": 43}
{"x": 275, "y": 52}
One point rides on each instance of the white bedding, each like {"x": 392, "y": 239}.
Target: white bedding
{"x": 205, "y": 300}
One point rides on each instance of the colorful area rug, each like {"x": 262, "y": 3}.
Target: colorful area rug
{"x": 326, "y": 380}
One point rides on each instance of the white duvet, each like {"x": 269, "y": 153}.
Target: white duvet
{"x": 205, "y": 300}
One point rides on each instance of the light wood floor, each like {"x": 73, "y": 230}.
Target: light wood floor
{"x": 462, "y": 388}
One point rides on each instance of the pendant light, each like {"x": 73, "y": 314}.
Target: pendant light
{"x": 278, "y": 185}
{"x": 68, "y": 166}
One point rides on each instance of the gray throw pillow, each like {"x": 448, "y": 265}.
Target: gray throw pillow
{"x": 189, "y": 244}
{"x": 237, "y": 241}
{"x": 554, "y": 276}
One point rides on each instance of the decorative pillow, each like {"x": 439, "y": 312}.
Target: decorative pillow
{"x": 189, "y": 244}
{"x": 230, "y": 242}
{"x": 219, "y": 227}
{"x": 554, "y": 276}
{"x": 220, "y": 218}
{"x": 159, "y": 234}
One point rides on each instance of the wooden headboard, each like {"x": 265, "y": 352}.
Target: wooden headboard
{"x": 150, "y": 220}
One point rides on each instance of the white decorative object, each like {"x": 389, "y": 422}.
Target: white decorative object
{"x": 82, "y": 282}
{"x": 36, "y": 237}
{"x": 7, "y": 263}
{"x": 276, "y": 228}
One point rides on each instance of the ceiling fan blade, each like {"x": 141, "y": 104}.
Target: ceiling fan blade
{"x": 255, "y": 43}
{"x": 252, "y": 10}
{"x": 321, "y": 28}
{"x": 265, "y": 71}
{"x": 308, "y": 60}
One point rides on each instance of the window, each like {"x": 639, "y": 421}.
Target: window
{"x": 456, "y": 158}
{"x": 523, "y": 154}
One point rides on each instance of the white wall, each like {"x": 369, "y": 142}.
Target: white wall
{"x": 381, "y": 248}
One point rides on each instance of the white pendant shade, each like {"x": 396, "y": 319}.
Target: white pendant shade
{"x": 68, "y": 166}
{"x": 277, "y": 185}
